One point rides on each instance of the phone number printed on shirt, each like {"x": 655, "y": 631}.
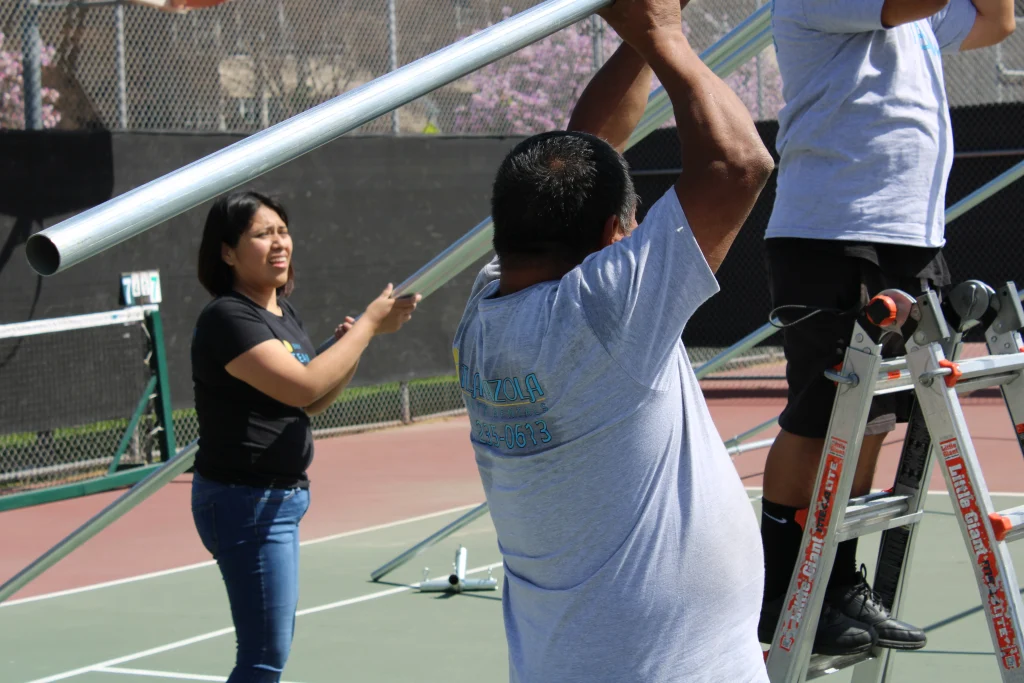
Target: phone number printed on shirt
{"x": 513, "y": 435}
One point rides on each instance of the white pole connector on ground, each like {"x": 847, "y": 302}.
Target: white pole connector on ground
{"x": 457, "y": 581}
{"x": 100, "y": 228}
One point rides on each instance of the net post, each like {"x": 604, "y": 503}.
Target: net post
{"x": 405, "y": 401}
{"x": 164, "y": 416}
{"x": 147, "y": 394}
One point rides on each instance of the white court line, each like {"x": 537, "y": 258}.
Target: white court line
{"x": 210, "y": 563}
{"x": 163, "y": 674}
{"x": 224, "y": 631}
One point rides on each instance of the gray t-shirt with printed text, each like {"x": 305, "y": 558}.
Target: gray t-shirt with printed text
{"x": 631, "y": 551}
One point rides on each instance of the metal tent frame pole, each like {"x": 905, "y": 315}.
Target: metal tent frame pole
{"x": 102, "y": 227}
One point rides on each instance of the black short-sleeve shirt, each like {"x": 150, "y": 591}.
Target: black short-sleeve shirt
{"x": 245, "y": 436}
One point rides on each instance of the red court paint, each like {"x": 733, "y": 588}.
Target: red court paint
{"x": 357, "y": 481}
{"x": 992, "y": 431}
{"x": 378, "y": 477}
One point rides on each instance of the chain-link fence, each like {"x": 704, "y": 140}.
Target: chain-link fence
{"x": 366, "y": 408}
{"x": 247, "y": 64}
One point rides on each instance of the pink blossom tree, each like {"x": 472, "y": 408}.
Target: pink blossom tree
{"x": 534, "y": 89}
{"x": 12, "y": 95}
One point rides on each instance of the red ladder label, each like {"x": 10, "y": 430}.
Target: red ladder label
{"x": 984, "y": 556}
{"x": 819, "y": 517}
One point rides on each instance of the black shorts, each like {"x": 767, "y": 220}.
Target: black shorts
{"x": 840, "y": 277}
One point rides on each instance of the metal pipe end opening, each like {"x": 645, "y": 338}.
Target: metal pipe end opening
{"x": 42, "y": 254}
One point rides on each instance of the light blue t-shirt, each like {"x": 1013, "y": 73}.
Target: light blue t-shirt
{"x": 864, "y": 138}
{"x": 631, "y": 551}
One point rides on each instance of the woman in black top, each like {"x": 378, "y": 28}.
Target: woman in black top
{"x": 257, "y": 380}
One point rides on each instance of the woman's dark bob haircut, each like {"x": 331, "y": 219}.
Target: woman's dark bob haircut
{"x": 229, "y": 217}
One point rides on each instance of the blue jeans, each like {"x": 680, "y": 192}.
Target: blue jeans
{"x": 253, "y": 534}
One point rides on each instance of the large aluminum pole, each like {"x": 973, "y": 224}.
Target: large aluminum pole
{"x": 32, "y": 67}
{"x": 91, "y": 232}
{"x": 749, "y": 38}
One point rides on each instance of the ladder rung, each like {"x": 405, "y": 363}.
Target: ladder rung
{"x": 822, "y": 665}
{"x": 983, "y": 382}
{"x": 891, "y": 383}
{"x": 1008, "y": 525}
{"x": 974, "y": 368}
{"x": 875, "y": 512}
{"x": 871, "y": 499}
{"x": 878, "y": 525}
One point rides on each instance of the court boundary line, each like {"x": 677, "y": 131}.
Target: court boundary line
{"x": 224, "y": 631}
{"x": 210, "y": 563}
{"x": 172, "y": 675}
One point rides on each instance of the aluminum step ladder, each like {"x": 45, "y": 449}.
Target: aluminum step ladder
{"x": 932, "y": 370}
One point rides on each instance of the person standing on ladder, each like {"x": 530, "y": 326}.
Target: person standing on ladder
{"x": 865, "y": 146}
{"x": 630, "y": 548}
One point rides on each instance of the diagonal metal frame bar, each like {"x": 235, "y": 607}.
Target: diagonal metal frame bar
{"x": 101, "y": 520}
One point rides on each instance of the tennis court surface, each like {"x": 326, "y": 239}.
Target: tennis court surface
{"x": 142, "y": 601}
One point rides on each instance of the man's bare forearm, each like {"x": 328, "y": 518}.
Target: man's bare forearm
{"x": 994, "y": 24}
{"x": 713, "y": 123}
{"x": 615, "y": 99}
{"x": 1001, "y": 11}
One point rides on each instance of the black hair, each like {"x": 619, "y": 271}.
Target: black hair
{"x": 553, "y": 194}
{"x": 229, "y": 217}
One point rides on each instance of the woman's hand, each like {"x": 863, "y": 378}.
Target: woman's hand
{"x": 386, "y": 314}
{"x": 340, "y": 331}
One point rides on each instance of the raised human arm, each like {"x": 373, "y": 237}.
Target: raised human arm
{"x": 269, "y": 368}
{"x": 897, "y": 12}
{"x": 995, "y": 22}
{"x": 613, "y": 102}
{"x": 725, "y": 164}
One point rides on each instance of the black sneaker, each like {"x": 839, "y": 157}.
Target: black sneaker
{"x": 858, "y": 601}
{"x": 837, "y": 633}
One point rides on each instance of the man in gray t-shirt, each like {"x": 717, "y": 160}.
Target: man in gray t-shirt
{"x": 630, "y": 548}
{"x": 865, "y": 149}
